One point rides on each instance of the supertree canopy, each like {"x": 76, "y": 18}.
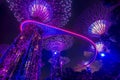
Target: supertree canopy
{"x": 101, "y": 47}
{"x": 58, "y": 43}
{"x": 98, "y": 28}
{"x": 54, "y": 12}
{"x": 95, "y": 19}
{"x": 40, "y": 10}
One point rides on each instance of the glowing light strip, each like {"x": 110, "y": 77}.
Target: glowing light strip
{"x": 72, "y": 33}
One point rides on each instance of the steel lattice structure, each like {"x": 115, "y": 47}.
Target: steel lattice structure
{"x": 20, "y": 54}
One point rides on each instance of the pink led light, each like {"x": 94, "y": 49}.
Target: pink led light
{"x": 63, "y": 30}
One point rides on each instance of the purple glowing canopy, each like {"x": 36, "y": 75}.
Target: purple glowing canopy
{"x": 53, "y": 12}
{"x": 98, "y": 27}
{"x": 40, "y": 10}
{"x": 58, "y": 43}
{"x": 100, "y": 46}
{"x": 94, "y": 20}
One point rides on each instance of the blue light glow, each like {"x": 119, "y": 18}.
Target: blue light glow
{"x": 102, "y": 54}
{"x": 55, "y": 53}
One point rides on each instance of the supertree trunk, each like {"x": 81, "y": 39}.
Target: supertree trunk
{"x": 22, "y": 60}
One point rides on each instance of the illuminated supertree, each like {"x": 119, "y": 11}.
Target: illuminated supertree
{"x": 95, "y": 19}
{"x": 53, "y": 12}
{"x": 94, "y": 22}
{"x": 56, "y": 45}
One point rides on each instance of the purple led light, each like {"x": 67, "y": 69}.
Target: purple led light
{"x": 66, "y": 31}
